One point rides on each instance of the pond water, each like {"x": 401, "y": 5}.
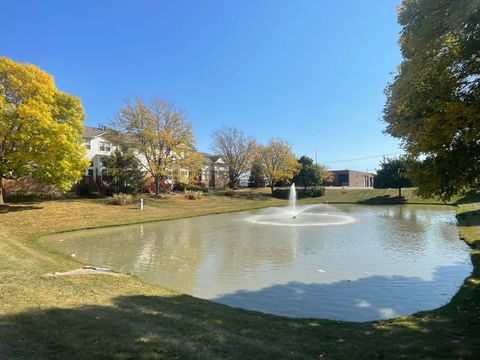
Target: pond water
{"x": 343, "y": 262}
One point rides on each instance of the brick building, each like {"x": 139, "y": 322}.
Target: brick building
{"x": 351, "y": 178}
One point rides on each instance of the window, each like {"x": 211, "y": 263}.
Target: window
{"x": 91, "y": 163}
{"x": 90, "y": 172}
{"x": 87, "y": 144}
{"x": 105, "y": 146}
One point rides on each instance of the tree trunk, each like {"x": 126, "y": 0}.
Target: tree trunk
{"x": 399, "y": 192}
{"x": 271, "y": 187}
{"x": 1, "y": 189}
{"x": 157, "y": 185}
{"x": 231, "y": 180}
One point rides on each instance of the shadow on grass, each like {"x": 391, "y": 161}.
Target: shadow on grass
{"x": 384, "y": 200}
{"x": 469, "y": 218}
{"x": 469, "y": 197}
{"x": 178, "y": 327}
{"x": 13, "y": 208}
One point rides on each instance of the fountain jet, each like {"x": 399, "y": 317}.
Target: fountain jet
{"x": 293, "y": 200}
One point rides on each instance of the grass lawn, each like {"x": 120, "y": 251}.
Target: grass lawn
{"x": 107, "y": 317}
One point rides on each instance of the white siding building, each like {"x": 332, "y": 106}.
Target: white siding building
{"x": 98, "y": 149}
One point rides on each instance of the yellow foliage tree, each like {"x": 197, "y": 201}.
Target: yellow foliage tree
{"x": 40, "y": 127}
{"x": 279, "y": 161}
{"x": 163, "y": 139}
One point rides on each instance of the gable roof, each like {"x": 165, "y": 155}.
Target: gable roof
{"x": 215, "y": 158}
{"x": 91, "y": 132}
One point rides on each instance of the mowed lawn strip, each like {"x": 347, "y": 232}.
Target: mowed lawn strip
{"x": 106, "y": 317}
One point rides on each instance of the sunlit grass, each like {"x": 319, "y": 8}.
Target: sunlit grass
{"x": 94, "y": 316}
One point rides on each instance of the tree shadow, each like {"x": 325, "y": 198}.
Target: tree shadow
{"x": 384, "y": 200}
{"x": 469, "y": 197}
{"x": 180, "y": 326}
{"x": 469, "y": 218}
{"x": 13, "y": 208}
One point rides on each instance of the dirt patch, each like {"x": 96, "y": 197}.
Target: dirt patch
{"x": 86, "y": 270}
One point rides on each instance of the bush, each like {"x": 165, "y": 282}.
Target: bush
{"x": 301, "y": 193}
{"x": 122, "y": 199}
{"x": 19, "y": 197}
{"x": 281, "y": 193}
{"x": 229, "y": 193}
{"x": 193, "y": 195}
{"x": 180, "y": 186}
{"x": 86, "y": 188}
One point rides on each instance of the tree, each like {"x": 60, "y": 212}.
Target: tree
{"x": 236, "y": 149}
{"x": 433, "y": 104}
{"x": 278, "y": 161}
{"x": 393, "y": 173}
{"x": 123, "y": 173}
{"x": 40, "y": 128}
{"x": 257, "y": 174}
{"x": 310, "y": 174}
{"x": 162, "y": 138}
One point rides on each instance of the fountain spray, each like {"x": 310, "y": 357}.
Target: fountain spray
{"x": 292, "y": 200}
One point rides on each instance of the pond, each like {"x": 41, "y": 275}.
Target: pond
{"x": 342, "y": 262}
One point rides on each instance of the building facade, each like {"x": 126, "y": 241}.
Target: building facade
{"x": 351, "y": 178}
{"x": 213, "y": 174}
{"x": 98, "y": 150}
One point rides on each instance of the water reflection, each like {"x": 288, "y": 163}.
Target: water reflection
{"x": 378, "y": 259}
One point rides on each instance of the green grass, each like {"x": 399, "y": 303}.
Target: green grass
{"x": 103, "y": 317}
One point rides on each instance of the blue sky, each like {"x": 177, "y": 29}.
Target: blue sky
{"x": 310, "y": 72}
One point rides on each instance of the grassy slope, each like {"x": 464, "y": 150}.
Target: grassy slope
{"x": 94, "y": 316}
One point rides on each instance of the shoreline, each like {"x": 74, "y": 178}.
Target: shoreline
{"x": 313, "y": 336}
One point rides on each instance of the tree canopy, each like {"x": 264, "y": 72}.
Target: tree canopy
{"x": 278, "y": 161}
{"x": 162, "y": 138}
{"x": 433, "y": 104}
{"x": 40, "y": 127}
{"x": 236, "y": 149}
{"x": 310, "y": 174}
{"x": 123, "y": 173}
{"x": 393, "y": 173}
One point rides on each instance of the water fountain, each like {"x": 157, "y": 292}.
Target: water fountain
{"x": 293, "y": 200}
{"x": 293, "y": 215}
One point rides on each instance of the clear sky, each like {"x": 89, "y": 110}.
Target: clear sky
{"x": 311, "y": 72}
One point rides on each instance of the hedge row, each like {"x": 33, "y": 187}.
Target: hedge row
{"x": 301, "y": 193}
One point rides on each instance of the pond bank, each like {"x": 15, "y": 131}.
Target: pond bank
{"x": 95, "y": 316}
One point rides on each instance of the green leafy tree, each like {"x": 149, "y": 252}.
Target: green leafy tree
{"x": 40, "y": 128}
{"x": 309, "y": 174}
{"x": 433, "y": 105}
{"x": 393, "y": 173}
{"x": 123, "y": 173}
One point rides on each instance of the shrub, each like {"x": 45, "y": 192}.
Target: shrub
{"x": 301, "y": 193}
{"x": 180, "y": 186}
{"x": 122, "y": 199}
{"x": 315, "y": 192}
{"x": 86, "y": 187}
{"x": 19, "y": 197}
{"x": 193, "y": 195}
{"x": 281, "y": 193}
